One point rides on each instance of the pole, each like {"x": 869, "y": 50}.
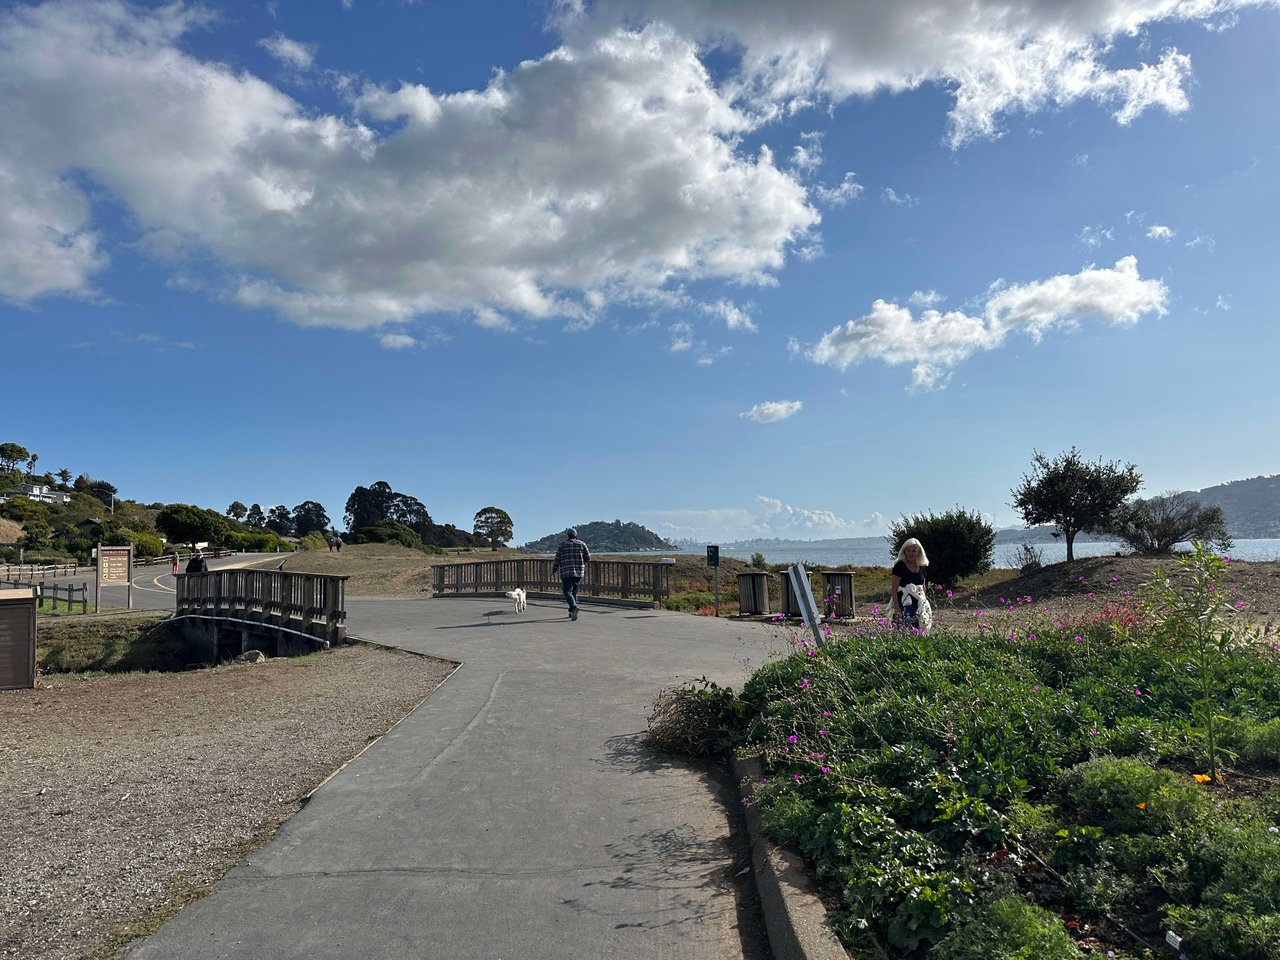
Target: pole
{"x": 717, "y": 590}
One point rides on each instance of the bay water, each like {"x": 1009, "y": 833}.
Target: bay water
{"x": 816, "y": 555}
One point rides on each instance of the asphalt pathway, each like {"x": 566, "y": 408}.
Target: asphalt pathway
{"x": 515, "y": 815}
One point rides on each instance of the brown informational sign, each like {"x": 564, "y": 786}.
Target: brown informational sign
{"x": 115, "y": 565}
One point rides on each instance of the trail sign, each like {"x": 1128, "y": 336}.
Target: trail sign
{"x": 713, "y": 556}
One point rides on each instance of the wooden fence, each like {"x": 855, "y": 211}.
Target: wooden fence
{"x": 55, "y": 594}
{"x": 31, "y": 571}
{"x": 623, "y": 579}
{"x": 307, "y": 603}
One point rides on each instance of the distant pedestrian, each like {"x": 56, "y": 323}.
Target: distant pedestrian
{"x": 330, "y": 543}
{"x": 175, "y": 561}
{"x": 197, "y": 562}
{"x": 337, "y": 542}
{"x": 571, "y": 562}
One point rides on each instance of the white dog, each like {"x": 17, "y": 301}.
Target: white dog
{"x": 518, "y": 596}
{"x": 924, "y": 612}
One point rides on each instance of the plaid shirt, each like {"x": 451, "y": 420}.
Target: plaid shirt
{"x": 571, "y": 558}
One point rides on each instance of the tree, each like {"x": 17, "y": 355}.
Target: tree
{"x": 255, "y": 517}
{"x": 309, "y": 517}
{"x": 280, "y": 520}
{"x": 368, "y": 505}
{"x": 959, "y": 543}
{"x": 186, "y": 523}
{"x": 1074, "y": 495}
{"x": 494, "y": 525}
{"x": 64, "y": 477}
{"x": 11, "y": 454}
{"x": 237, "y": 510}
{"x": 410, "y": 511}
{"x": 1156, "y": 525}
{"x": 31, "y": 466}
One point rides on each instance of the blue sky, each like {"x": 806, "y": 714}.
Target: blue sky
{"x": 725, "y": 269}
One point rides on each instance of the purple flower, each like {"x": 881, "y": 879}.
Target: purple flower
{"x": 792, "y": 739}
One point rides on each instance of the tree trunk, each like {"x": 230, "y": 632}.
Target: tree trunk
{"x": 1071, "y": 541}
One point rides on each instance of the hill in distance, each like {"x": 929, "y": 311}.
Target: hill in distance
{"x": 1250, "y": 507}
{"x": 604, "y": 537}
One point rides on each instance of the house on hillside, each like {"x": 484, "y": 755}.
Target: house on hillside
{"x": 40, "y": 492}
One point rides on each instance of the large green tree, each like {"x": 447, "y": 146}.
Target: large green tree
{"x": 309, "y": 517}
{"x": 255, "y": 517}
{"x": 1158, "y": 524}
{"x": 369, "y": 505}
{"x": 11, "y": 454}
{"x": 236, "y": 510}
{"x": 1074, "y": 495}
{"x": 186, "y": 523}
{"x": 280, "y": 520}
{"x": 494, "y": 524}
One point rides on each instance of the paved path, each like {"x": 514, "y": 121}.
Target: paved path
{"x": 515, "y": 815}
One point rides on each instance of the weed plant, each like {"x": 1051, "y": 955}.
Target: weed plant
{"x": 1031, "y": 787}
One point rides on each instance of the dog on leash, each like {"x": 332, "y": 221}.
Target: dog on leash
{"x": 518, "y": 596}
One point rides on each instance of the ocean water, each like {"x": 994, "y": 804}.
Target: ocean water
{"x": 819, "y": 557}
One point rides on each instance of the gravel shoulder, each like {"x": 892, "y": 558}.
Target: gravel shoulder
{"x": 126, "y": 796}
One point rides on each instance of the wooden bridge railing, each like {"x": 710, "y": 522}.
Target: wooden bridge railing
{"x": 307, "y": 603}
{"x": 624, "y": 579}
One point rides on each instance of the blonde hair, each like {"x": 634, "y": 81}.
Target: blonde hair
{"x": 913, "y": 542}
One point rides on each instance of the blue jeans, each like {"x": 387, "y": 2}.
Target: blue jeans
{"x": 570, "y": 585}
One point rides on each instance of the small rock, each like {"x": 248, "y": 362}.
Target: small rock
{"x": 251, "y": 656}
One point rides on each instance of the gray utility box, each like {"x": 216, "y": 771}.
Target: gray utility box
{"x": 17, "y": 639}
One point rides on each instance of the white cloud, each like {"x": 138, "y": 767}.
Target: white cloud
{"x": 925, "y": 298}
{"x": 807, "y": 155}
{"x": 766, "y": 517}
{"x": 1223, "y": 302}
{"x": 681, "y": 337}
{"x": 1160, "y": 232}
{"x": 997, "y": 57}
{"x": 289, "y": 52}
{"x": 1079, "y": 160}
{"x": 773, "y": 410}
{"x": 936, "y": 342}
{"x": 734, "y": 317}
{"x": 839, "y": 195}
{"x": 514, "y": 198}
{"x": 1202, "y": 241}
{"x": 397, "y": 341}
{"x": 1091, "y": 238}
{"x": 889, "y": 195}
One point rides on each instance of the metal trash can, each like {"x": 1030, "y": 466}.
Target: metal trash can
{"x": 753, "y": 593}
{"x": 837, "y": 593}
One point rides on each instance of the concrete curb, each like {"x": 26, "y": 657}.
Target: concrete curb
{"x": 793, "y": 915}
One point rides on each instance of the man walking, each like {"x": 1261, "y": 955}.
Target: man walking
{"x": 571, "y": 563}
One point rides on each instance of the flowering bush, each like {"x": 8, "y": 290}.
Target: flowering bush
{"x": 1023, "y": 787}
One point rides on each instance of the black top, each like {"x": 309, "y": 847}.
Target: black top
{"x": 905, "y": 576}
{"x": 197, "y": 565}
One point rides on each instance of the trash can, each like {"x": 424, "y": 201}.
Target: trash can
{"x": 753, "y": 593}
{"x": 790, "y": 606}
{"x": 837, "y": 593}
{"x": 17, "y": 639}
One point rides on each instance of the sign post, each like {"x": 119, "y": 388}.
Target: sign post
{"x": 713, "y": 561}
{"x": 115, "y": 565}
{"x": 803, "y": 591}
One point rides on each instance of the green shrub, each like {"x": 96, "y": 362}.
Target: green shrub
{"x": 388, "y": 531}
{"x": 1252, "y": 742}
{"x": 315, "y": 540}
{"x": 959, "y": 543}
{"x": 698, "y": 719}
{"x": 1128, "y": 796}
{"x": 1009, "y": 929}
{"x": 689, "y": 602}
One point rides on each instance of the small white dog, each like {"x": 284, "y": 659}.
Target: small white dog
{"x": 518, "y": 596}
{"x": 924, "y": 612}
